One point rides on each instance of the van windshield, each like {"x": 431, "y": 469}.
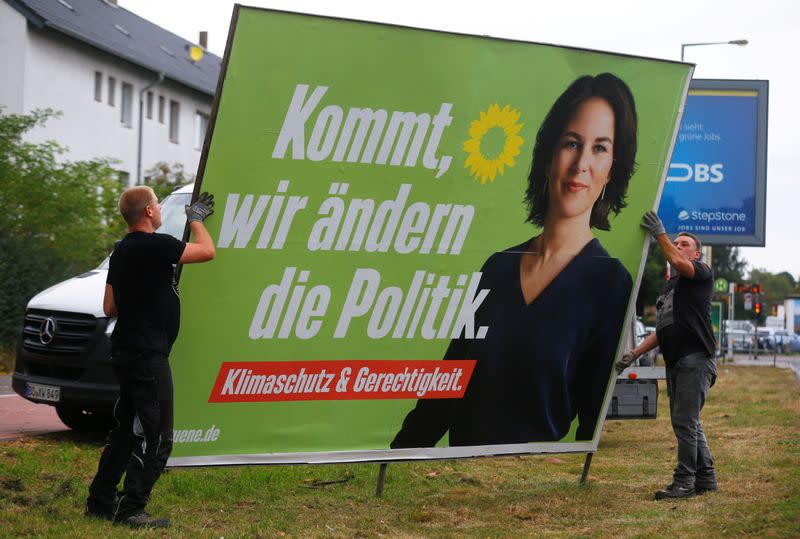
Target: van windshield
{"x": 173, "y": 215}
{"x": 173, "y": 218}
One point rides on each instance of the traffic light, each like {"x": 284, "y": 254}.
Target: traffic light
{"x": 758, "y": 308}
{"x": 744, "y": 288}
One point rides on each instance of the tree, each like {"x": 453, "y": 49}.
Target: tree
{"x": 59, "y": 217}
{"x": 652, "y": 283}
{"x": 726, "y": 263}
{"x": 164, "y": 178}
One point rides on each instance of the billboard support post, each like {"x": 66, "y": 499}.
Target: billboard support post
{"x": 381, "y": 479}
{"x": 586, "y": 464}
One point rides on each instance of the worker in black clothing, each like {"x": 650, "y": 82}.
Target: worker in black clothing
{"x": 686, "y": 338}
{"x": 142, "y": 294}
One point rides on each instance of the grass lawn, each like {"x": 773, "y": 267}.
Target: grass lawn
{"x": 752, "y": 420}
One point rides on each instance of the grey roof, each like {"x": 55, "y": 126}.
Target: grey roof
{"x": 117, "y": 31}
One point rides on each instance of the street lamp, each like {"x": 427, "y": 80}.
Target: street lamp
{"x": 740, "y": 42}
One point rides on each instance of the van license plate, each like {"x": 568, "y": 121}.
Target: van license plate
{"x": 43, "y": 392}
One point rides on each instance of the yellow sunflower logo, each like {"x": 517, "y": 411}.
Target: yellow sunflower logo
{"x": 494, "y": 142}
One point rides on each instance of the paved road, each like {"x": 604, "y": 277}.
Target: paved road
{"x": 5, "y": 385}
{"x": 19, "y": 417}
{"x": 768, "y": 360}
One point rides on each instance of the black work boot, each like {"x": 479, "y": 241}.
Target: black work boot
{"x": 702, "y": 489}
{"x": 95, "y": 510}
{"x": 674, "y": 492}
{"x": 143, "y": 520}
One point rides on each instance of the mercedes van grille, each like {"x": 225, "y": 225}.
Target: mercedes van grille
{"x": 70, "y": 338}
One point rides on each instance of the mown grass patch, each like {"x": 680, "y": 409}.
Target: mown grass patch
{"x": 752, "y": 420}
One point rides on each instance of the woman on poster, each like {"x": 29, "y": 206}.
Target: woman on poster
{"x": 557, "y": 302}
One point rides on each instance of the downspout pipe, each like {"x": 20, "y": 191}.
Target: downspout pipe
{"x": 141, "y": 126}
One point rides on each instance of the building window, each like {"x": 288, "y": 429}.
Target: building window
{"x": 149, "y": 105}
{"x": 112, "y": 87}
{"x": 161, "y": 109}
{"x": 174, "y": 113}
{"x": 98, "y": 86}
{"x": 126, "y": 108}
{"x": 200, "y": 127}
{"x": 124, "y": 178}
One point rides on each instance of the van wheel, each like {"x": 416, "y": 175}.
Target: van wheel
{"x": 84, "y": 420}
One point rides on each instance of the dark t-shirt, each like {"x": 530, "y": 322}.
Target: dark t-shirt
{"x": 683, "y": 325}
{"x": 142, "y": 274}
{"x": 540, "y": 365}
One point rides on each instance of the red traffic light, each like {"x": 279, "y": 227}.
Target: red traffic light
{"x": 758, "y": 307}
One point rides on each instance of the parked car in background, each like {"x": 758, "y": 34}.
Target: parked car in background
{"x": 782, "y": 341}
{"x": 742, "y": 339}
{"x": 647, "y": 359}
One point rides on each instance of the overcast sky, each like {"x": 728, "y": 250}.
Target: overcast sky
{"x": 654, "y": 29}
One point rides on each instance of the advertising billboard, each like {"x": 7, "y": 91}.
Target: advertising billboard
{"x": 427, "y": 243}
{"x": 717, "y": 182}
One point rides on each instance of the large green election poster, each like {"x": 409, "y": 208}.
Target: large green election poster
{"x": 427, "y": 243}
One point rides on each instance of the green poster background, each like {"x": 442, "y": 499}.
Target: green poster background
{"x": 396, "y": 69}
{"x": 716, "y": 317}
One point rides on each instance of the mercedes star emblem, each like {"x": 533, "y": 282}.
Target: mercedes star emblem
{"x": 47, "y": 331}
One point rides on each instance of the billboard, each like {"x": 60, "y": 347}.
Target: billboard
{"x": 717, "y": 182}
{"x": 427, "y": 243}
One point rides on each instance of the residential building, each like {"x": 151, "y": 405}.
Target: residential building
{"x": 94, "y": 61}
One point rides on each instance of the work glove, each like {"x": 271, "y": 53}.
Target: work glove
{"x": 625, "y": 361}
{"x": 653, "y": 224}
{"x": 201, "y": 208}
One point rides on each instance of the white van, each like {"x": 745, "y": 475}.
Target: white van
{"x": 63, "y": 355}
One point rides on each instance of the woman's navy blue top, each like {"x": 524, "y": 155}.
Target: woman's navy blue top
{"x": 540, "y": 365}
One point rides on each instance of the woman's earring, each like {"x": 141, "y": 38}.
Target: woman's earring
{"x": 603, "y": 193}
{"x": 544, "y": 186}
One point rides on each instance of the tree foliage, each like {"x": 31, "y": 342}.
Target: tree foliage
{"x": 653, "y": 280}
{"x": 727, "y": 264}
{"x": 165, "y": 178}
{"x": 59, "y": 217}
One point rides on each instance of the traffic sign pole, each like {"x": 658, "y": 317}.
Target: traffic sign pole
{"x": 731, "y": 297}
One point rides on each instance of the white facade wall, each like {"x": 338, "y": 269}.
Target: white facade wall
{"x": 13, "y": 40}
{"x": 59, "y": 73}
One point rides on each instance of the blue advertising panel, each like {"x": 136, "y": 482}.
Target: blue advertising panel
{"x": 716, "y": 186}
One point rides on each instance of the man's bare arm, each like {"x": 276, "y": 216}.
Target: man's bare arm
{"x": 674, "y": 257}
{"x": 109, "y": 305}
{"x": 649, "y": 342}
{"x": 655, "y": 227}
{"x": 202, "y": 249}
{"x": 627, "y": 359}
